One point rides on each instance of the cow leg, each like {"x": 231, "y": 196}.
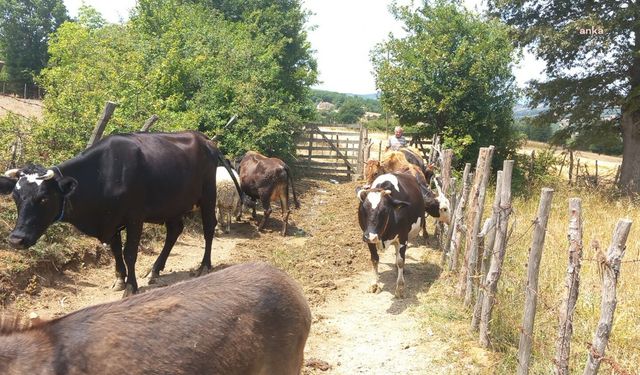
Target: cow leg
{"x": 266, "y": 205}
{"x": 174, "y": 229}
{"x": 121, "y": 270}
{"x": 285, "y": 210}
{"x": 209, "y": 222}
{"x": 134, "y": 232}
{"x": 401, "y": 249}
{"x": 375, "y": 259}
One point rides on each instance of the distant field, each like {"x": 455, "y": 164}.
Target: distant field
{"x": 23, "y": 107}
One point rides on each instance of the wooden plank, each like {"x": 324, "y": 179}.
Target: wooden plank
{"x": 323, "y": 148}
{"x": 337, "y": 150}
{"x": 318, "y": 156}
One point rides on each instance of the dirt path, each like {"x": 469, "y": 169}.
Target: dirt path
{"x": 357, "y": 332}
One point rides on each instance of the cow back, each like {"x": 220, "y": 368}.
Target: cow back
{"x": 246, "y": 319}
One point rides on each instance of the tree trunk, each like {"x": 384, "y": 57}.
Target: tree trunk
{"x": 630, "y": 171}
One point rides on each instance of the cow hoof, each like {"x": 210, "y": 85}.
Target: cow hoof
{"x": 128, "y": 291}
{"x": 203, "y": 270}
{"x": 153, "y": 278}
{"x": 118, "y": 284}
{"x": 375, "y": 289}
{"x": 399, "y": 293}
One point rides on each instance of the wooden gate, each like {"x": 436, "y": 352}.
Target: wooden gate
{"x": 334, "y": 151}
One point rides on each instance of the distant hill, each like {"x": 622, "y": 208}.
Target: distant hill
{"x": 369, "y": 101}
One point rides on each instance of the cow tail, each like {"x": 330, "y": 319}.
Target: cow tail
{"x": 219, "y": 157}
{"x": 293, "y": 189}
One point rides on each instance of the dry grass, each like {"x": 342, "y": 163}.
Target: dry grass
{"x": 600, "y": 214}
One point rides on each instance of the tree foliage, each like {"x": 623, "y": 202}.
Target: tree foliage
{"x": 25, "y": 26}
{"x": 452, "y": 71}
{"x": 188, "y": 63}
{"x": 592, "y": 67}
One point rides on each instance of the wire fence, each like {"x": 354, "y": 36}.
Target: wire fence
{"x": 23, "y": 90}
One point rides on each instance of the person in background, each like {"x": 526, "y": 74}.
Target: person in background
{"x": 397, "y": 140}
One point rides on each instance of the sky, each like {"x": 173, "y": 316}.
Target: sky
{"x": 341, "y": 33}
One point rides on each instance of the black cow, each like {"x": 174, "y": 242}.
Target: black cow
{"x": 268, "y": 180}
{"x": 391, "y": 212}
{"x": 120, "y": 183}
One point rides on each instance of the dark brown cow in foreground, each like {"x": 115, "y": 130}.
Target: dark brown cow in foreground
{"x": 246, "y": 319}
{"x": 267, "y": 179}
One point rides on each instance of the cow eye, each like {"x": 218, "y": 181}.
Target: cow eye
{"x": 43, "y": 200}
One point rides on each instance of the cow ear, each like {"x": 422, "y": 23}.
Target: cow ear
{"x": 67, "y": 185}
{"x": 399, "y": 204}
{"x": 7, "y": 185}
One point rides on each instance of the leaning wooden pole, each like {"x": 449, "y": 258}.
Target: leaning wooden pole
{"x": 572, "y": 283}
{"x": 488, "y": 234}
{"x": 497, "y": 257}
{"x": 472, "y": 239}
{"x": 109, "y": 107}
{"x": 446, "y": 246}
{"x": 458, "y": 218}
{"x": 610, "y": 274}
{"x": 531, "y": 290}
{"x": 150, "y": 121}
{"x": 469, "y": 219}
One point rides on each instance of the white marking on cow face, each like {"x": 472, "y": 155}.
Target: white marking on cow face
{"x": 33, "y": 178}
{"x": 374, "y": 199}
{"x": 444, "y": 208}
{"x": 386, "y": 177}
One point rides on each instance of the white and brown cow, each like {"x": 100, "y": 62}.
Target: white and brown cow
{"x": 437, "y": 206}
{"x": 391, "y": 212}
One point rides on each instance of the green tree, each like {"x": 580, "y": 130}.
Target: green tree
{"x": 452, "y": 71}
{"x": 25, "y": 26}
{"x": 592, "y": 60}
{"x": 350, "y": 111}
{"x": 183, "y": 61}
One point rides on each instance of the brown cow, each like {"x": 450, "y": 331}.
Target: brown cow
{"x": 267, "y": 179}
{"x": 395, "y": 161}
{"x": 246, "y": 319}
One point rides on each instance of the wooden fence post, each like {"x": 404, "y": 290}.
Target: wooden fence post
{"x": 488, "y": 234}
{"x": 572, "y": 283}
{"x": 109, "y": 107}
{"x": 610, "y": 274}
{"x": 497, "y": 256}
{"x": 570, "y": 166}
{"x": 469, "y": 219}
{"x": 531, "y": 290}
{"x": 445, "y": 172}
{"x": 475, "y": 220}
{"x": 447, "y": 239}
{"x": 458, "y": 218}
{"x": 150, "y": 121}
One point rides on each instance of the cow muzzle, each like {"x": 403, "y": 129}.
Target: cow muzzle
{"x": 17, "y": 242}
{"x": 370, "y": 237}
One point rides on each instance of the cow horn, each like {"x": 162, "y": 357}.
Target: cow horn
{"x": 359, "y": 194}
{"x": 12, "y": 173}
{"x": 47, "y": 176}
